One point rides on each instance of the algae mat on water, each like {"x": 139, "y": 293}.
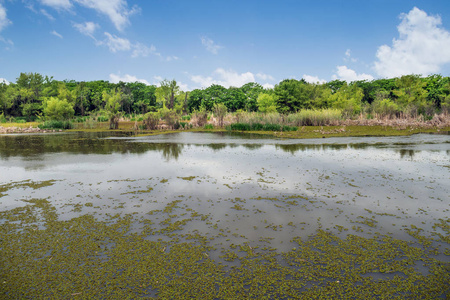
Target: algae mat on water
{"x": 126, "y": 257}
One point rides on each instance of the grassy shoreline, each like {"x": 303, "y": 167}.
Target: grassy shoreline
{"x": 305, "y": 132}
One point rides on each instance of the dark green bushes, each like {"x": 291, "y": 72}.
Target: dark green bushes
{"x": 53, "y": 124}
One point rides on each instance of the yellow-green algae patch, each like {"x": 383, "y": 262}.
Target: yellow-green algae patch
{"x": 45, "y": 258}
{"x": 24, "y": 184}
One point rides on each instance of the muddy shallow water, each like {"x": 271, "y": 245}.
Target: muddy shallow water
{"x": 253, "y": 186}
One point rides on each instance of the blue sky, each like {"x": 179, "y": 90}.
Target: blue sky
{"x": 227, "y": 42}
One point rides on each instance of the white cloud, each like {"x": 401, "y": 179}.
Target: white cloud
{"x": 225, "y": 78}
{"x": 170, "y": 58}
{"x": 3, "y": 18}
{"x": 56, "y": 34}
{"x": 143, "y": 51}
{"x": 348, "y": 56}
{"x": 46, "y": 14}
{"x": 116, "y": 10}
{"x": 210, "y": 45}
{"x": 58, "y": 4}
{"x": 422, "y": 47}
{"x": 313, "y": 79}
{"x": 116, "y": 78}
{"x": 6, "y": 41}
{"x": 3, "y": 80}
{"x": 268, "y": 86}
{"x": 116, "y": 43}
{"x": 87, "y": 28}
{"x": 183, "y": 86}
{"x": 263, "y": 76}
{"x": 349, "y": 75}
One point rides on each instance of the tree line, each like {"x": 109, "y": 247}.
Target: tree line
{"x": 34, "y": 96}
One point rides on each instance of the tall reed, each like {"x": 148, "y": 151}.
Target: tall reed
{"x": 312, "y": 117}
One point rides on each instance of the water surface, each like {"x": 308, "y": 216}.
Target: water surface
{"x": 250, "y": 187}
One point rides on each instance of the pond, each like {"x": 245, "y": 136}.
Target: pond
{"x": 235, "y": 189}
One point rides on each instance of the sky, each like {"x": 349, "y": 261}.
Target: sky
{"x": 226, "y": 42}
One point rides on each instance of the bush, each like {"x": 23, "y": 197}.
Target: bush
{"x": 289, "y": 128}
{"x": 186, "y": 118}
{"x": 53, "y": 124}
{"x": 239, "y": 127}
{"x": 201, "y": 117}
{"x": 257, "y": 126}
{"x": 81, "y": 119}
{"x": 102, "y": 119}
{"x": 209, "y": 126}
{"x": 151, "y": 120}
{"x": 19, "y": 120}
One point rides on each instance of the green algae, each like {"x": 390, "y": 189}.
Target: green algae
{"x": 24, "y": 184}
{"x": 88, "y": 258}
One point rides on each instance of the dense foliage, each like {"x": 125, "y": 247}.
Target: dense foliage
{"x": 35, "y": 96}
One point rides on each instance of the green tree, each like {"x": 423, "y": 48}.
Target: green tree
{"x": 292, "y": 95}
{"x": 348, "y": 99}
{"x": 411, "y": 95}
{"x": 212, "y": 95}
{"x": 195, "y": 100}
{"x": 266, "y": 103}
{"x": 58, "y": 109}
{"x": 112, "y": 101}
{"x": 220, "y": 111}
{"x": 251, "y": 91}
{"x": 166, "y": 93}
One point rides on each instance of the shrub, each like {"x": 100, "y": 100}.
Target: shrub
{"x": 257, "y": 126}
{"x": 102, "y": 119}
{"x": 201, "y": 117}
{"x": 290, "y": 128}
{"x": 209, "y": 126}
{"x": 151, "y": 120}
{"x": 239, "y": 127}
{"x": 54, "y": 124}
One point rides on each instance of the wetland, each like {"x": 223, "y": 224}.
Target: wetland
{"x": 223, "y": 215}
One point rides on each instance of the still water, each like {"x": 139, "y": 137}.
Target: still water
{"x": 250, "y": 187}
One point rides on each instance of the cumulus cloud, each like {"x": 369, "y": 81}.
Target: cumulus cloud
{"x": 225, "y": 78}
{"x": 58, "y": 4}
{"x": 210, "y": 45}
{"x": 349, "y": 75}
{"x": 116, "y": 78}
{"x": 56, "y": 34}
{"x": 421, "y": 48}
{"x": 87, "y": 28}
{"x": 3, "y": 18}
{"x": 116, "y": 43}
{"x": 313, "y": 79}
{"x": 3, "y": 80}
{"x": 116, "y": 10}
